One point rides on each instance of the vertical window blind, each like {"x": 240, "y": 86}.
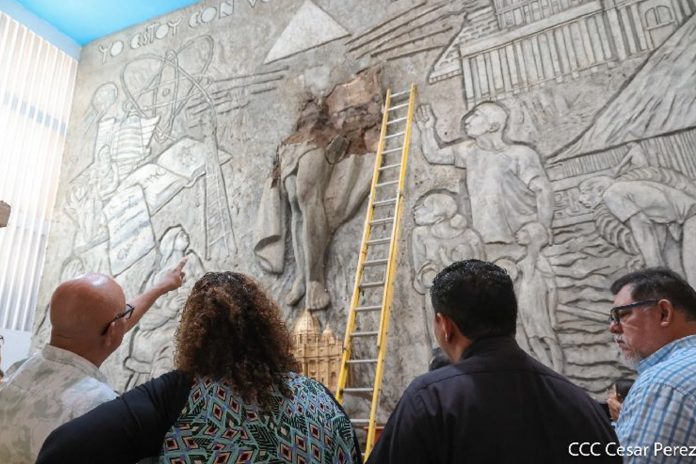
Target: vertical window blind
{"x": 37, "y": 80}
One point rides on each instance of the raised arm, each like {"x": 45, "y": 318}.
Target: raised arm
{"x": 432, "y": 149}
{"x": 171, "y": 280}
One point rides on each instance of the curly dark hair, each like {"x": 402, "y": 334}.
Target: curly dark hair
{"x": 231, "y": 331}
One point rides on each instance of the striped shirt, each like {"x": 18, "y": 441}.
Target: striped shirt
{"x": 659, "y": 412}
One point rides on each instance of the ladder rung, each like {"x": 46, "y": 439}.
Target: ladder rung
{"x": 390, "y": 166}
{"x": 362, "y": 361}
{"x": 389, "y": 182}
{"x": 372, "y": 284}
{"x": 391, "y": 201}
{"x": 398, "y": 134}
{"x": 357, "y": 390}
{"x": 368, "y": 333}
{"x": 396, "y": 121}
{"x": 368, "y": 308}
{"x": 400, "y": 94}
{"x": 375, "y": 262}
{"x": 392, "y": 150}
{"x": 378, "y": 241}
{"x": 360, "y": 421}
{"x": 397, "y": 107}
{"x": 381, "y": 221}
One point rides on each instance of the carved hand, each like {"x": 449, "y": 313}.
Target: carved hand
{"x": 425, "y": 117}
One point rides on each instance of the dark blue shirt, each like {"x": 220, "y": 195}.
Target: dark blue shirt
{"x": 496, "y": 405}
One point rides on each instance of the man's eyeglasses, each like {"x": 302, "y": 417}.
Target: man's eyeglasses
{"x": 618, "y": 312}
{"x": 125, "y": 314}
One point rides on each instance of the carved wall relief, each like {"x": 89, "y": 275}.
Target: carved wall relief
{"x": 322, "y": 173}
{"x": 553, "y": 138}
{"x": 440, "y": 237}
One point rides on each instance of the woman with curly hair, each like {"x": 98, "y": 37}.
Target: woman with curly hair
{"x": 233, "y": 398}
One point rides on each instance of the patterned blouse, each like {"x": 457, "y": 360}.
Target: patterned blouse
{"x": 216, "y": 426}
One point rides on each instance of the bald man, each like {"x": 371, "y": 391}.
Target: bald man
{"x": 89, "y": 317}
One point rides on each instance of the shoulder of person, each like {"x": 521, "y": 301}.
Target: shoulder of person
{"x": 434, "y": 379}
{"x": 521, "y": 150}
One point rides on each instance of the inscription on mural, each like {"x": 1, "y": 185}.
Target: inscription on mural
{"x": 157, "y": 31}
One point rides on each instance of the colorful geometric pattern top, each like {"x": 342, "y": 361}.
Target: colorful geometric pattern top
{"x": 216, "y": 426}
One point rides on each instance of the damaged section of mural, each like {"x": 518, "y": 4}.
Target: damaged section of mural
{"x": 556, "y": 139}
{"x": 323, "y": 174}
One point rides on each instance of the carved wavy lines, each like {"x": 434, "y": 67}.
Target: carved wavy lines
{"x": 416, "y": 30}
{"x": 236, "y": 92}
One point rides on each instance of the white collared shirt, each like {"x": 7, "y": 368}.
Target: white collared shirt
{"x": 49, "y": 389}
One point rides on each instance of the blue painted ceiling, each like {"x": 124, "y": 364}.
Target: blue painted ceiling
{"x": 88, "y": 20}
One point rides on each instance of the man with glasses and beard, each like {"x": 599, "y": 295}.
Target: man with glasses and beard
{"x": 654, "y": 322}
{"x": 89, "y": 317}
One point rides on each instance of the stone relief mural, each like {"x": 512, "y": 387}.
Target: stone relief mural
{"x": 310, "y": 27}
{"x": 554, "y": 138}
{"x": 440, "y": 237}
{"x": 151, "y": 352}
{"x": 322, "y": 173}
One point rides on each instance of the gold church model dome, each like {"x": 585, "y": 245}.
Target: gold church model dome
{"x": 307, "y": 324}
{"x": 328, "y": 335}
{"x": 317, "y": 352}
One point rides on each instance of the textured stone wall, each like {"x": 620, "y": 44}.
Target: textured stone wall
{"x": 574, "y": 164}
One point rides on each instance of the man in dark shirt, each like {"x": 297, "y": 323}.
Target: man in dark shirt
{"x": 494, "y": 403}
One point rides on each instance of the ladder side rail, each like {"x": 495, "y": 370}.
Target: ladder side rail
{"x": 367, "y": 230}
{"x": 390, "y": 274}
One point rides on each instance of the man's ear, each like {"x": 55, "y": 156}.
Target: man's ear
{"x": 445, "y": 324}
{"x": 666, "y": 309}
{"x": 494, "y": 127}
{"x": 110, "y": 337}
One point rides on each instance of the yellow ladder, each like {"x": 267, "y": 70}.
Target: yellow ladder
{"x": 365, "y": 345}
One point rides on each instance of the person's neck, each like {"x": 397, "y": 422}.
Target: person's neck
{"x": 456, "y": 347}
{"x": 532, "y": 254}
{"x": 491, "y": 141}
{"x": 74, "y": 346}
{"x": 441, "y": 227}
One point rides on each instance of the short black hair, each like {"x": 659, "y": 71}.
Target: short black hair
{"x": 478, "y": 296}
{"x": 659, "y": 282}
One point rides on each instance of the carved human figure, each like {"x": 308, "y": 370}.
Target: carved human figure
{"x": 305, "y": 171}
{"x": 150, "y": 347}
{"x": 322, "y": 173}
{"x": 102, "y": 100}
{"x": 659, "y": 207}
{"x": 85, "y": 204}
{"x": 537, "y": 296}
{"x": 507, "y": 184}
{"x": 441, "y": 237}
